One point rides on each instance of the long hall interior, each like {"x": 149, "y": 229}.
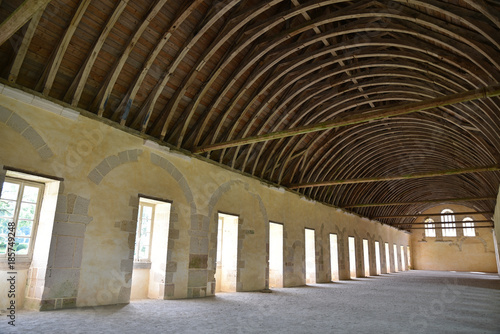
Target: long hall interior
{"x": 253, "y": 166}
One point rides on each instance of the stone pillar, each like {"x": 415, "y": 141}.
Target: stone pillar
{"x": 343, "y": 257}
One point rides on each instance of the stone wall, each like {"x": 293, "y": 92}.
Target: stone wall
{"x": 460, "y": 253}
{"x": 103, "y": 171}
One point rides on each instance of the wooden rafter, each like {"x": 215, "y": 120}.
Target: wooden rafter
{"x": 134, "y": 89}
{"x": 20, "y": 17}
{"x": 63, "y": 46}
{"x": 446, "y": 200}
{"x": 106, "y": 89}
{"x": 81, "y": 78}
{"x": 23, "y": 49}
{"x": 490, "y": 91}
{"x": 399, "y": 177}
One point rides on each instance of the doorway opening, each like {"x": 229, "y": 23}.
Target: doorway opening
{"x": 275, "y": 255}
{"x": 366, "y": 259}
{"x": 387, "y": 258}
{"x": 408, "y": 257}
{"x": 334, "y": 257}
{"x": 395, "y": 258}
{"x": 403, "y": 258}
{"x": 150, "y": 254}
{"x": 310, "y": 257}
{"x": 227, "y": 253}
{"x": 377, "y": 258}
{"x": 352, "y": 257}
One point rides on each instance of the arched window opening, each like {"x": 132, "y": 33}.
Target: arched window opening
{"x": 430, "y": 228}
{"x": 448, "y": 223}
{"x": 468, "y": 225}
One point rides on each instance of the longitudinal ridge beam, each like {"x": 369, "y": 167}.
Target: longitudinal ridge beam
{"x": 466, "y": 96}
{"x": 399, "y": 177}
{"x": 468, "y": 199}
{"x": 435, "y": 214}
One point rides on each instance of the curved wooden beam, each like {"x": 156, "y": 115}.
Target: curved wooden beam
{"x": 105, "y": 91}
{"x": 63, "y": 46}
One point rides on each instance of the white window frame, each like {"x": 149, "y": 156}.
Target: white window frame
{"x": 430, "y": 228}
{"x": 448, "y": 223}
{"x": 140, "y": 222}
{"x": 468, "y": 226}
{"x": 22, "y": 184}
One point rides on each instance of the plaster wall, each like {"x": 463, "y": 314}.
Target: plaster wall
{"x": 458, "y": 253}
{"x": 104, "y": 170}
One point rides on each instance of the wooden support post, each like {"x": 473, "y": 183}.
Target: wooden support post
{"x": 363, "y": 118}
{"x": 399, "y": 177}
{"x": 469, "y": 199}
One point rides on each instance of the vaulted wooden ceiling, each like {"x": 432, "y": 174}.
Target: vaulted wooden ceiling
{"x": 380, "y": 88}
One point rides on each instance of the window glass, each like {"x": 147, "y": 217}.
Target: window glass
{"x": 448, "y": 220}
{"x": 468, "y": 225}
{"x": 19, "y": 204}
{"x": 430, "y": 230}
{"x": 143, "y": 235}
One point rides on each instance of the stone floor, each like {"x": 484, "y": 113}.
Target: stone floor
{"x": 406, "y": 302}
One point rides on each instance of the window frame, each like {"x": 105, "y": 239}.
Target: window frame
{"x": 142, "y": 204}
{"x": 430, "y": 228}
{"x": 38, "y": 204}
{"x": 468, "y": 227}
{"x": 448, "y": 223}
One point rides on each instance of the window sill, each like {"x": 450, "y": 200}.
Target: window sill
{"x": 142, "y": 265}
{"x": 20, "y": 264}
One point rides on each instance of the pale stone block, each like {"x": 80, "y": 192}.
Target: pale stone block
{"x": 70, "y": 113}
{"x": 47, "y": 105}
{"x": 69, "y": 229}
{"x": 79, "y": 219}
{"x": 62, "y": 283}
{"x": 197, "y": 278}
{"x": 61, "y": 217}
{"x": 64, "y": 252}
{"x": 45, "y": 152}
{"x": 126, "y": 265}
{"x": 4, "y": 114}
{"x": 70, "y": 202}
{"x": 18, "y": 94}
{"x": 124, "y": 295}
{"x": 203, "y": 245}
{"x": 194, "y": 247}
{"x": 81, "y": 206}
{"x": 103, "y": 168}
{"x": 77, "y": 259}
{"x": 171, "y": 266}
{"x": 133, "y": 155}
{"x": 155, "y": 159}
{"x": 61, "y": 204}
{"x": 123, "y": 156}
{"x": 113, "y": 161}
{"x": 17, "y": 123}
{"x": 200, "y": 234}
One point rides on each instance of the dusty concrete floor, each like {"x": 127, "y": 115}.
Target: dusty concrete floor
{"x": 408, "y": 302}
